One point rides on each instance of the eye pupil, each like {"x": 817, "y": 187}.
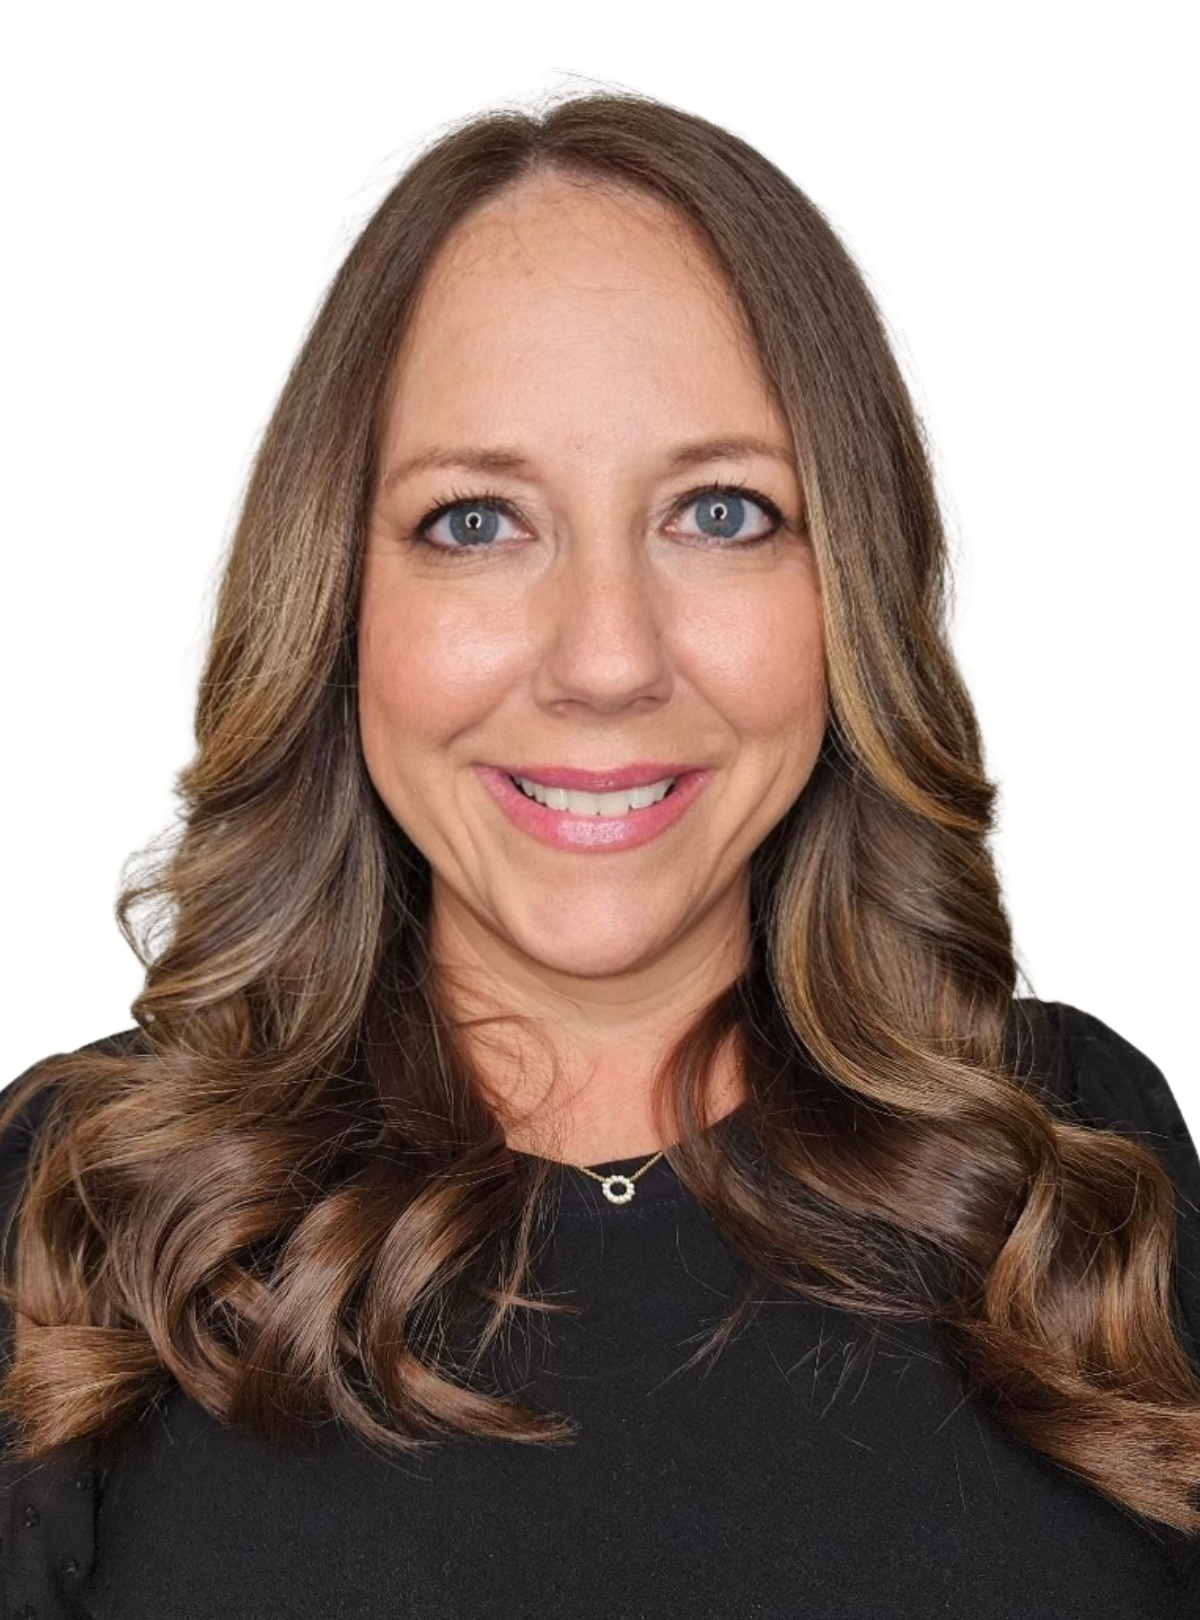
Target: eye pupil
{"x": 473, "y": 525}
{"x": 720, "y": 515}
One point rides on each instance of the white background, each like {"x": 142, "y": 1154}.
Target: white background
{"x": 1018, "y": 184}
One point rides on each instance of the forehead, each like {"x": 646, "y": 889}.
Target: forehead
{"x": 557, "y": 286}
{"x": 568, "y": 227}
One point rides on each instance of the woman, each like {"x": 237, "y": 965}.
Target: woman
{"x": 580, "y": 1150}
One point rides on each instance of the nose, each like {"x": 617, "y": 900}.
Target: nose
{"x": 601, "y": 630}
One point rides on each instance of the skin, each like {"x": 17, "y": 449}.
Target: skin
{"x": 585, "y": 326}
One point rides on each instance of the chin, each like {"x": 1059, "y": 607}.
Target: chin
{"x": 596, "y": 957}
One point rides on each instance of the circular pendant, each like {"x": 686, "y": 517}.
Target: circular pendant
{"x": 610, "y": 1183}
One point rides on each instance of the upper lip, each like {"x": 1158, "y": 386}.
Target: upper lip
{"x": 610, "y": 781}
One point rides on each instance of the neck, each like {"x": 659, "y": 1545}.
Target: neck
{"x": 569, "y": 1064}
{"x": 619, "y": 1125}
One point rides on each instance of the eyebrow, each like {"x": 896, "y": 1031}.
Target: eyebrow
{"x": 500, "y": 459}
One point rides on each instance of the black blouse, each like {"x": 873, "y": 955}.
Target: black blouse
{"x": 804, "y": 1472}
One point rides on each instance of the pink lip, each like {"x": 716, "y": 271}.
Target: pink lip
{"x": 565, "y": 831}
{"x": 626, "y": 776}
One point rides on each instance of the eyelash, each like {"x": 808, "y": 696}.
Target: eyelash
{"x": 499, "y": 504}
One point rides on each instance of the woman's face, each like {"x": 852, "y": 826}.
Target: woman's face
{"x": 574, "y": 394}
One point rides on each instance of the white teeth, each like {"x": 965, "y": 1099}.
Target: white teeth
{"x": 596, "y": 804}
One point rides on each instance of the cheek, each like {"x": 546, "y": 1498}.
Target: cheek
{"x": 428, "y": 670}
{"x": 761, "y": 660}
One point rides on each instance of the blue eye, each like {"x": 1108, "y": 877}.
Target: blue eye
{"x": 470, "y": 523}
{"x": 721, "y": 512}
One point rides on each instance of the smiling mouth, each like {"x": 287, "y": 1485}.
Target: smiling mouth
{"x": 572, "y": 801}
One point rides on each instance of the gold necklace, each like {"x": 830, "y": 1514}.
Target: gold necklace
{"x": 625, "y": 1183}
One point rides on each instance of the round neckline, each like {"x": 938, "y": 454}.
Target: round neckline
{"x": 657, "y": 1185}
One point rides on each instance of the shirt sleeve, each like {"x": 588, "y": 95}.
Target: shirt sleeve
{"x": 47, "y": 1507}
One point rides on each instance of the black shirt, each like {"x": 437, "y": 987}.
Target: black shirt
{"x": 804, "y": 1472}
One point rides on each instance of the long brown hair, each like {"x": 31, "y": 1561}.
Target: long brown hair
{"x": 293, "y": 1177}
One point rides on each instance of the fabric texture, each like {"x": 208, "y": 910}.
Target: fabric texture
{"x": 804, "y": 1472}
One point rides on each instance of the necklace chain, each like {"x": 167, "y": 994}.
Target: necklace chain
{"x": 620, "y": 1189}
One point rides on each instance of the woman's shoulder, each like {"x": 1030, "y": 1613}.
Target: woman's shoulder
{"x": 1101, "y": 1078}
{"x": 1097, "y": 1077}
{"x": 25, "y": 1101}
{"x": 25, "y": 1098}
